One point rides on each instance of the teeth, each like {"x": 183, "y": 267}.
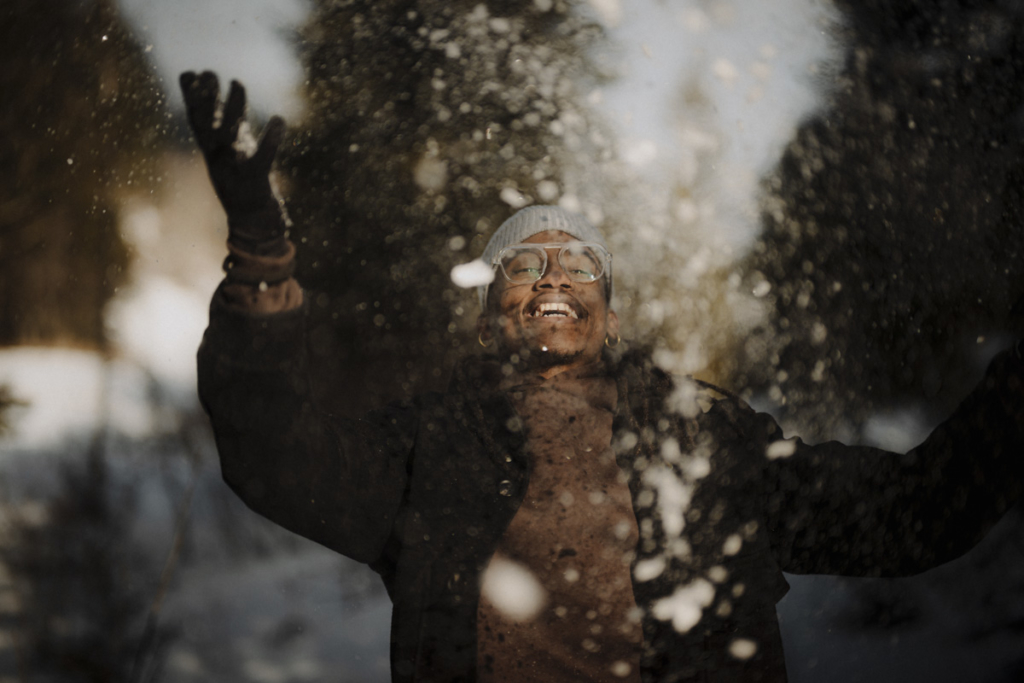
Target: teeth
{"x": 555, "y": 311}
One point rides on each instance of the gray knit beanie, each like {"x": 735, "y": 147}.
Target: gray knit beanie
{"x": 527, "y": 222}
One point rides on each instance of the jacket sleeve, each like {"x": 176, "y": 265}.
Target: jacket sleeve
{"x": 336, "y": 481}
{"x": 860, "y": 511}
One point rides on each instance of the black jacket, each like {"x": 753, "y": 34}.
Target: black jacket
{"x": 424, "y": 491}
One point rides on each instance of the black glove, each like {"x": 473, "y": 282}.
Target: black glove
{"x": 256, "y": 222}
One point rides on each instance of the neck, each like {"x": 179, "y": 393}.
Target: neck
{"x": 548, "y": 366}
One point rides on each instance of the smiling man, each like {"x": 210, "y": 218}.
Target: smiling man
{"x": 552, "y": 292}
{"x": 565, "y": 511}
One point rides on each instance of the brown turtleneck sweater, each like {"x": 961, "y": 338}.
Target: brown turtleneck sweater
{"x": 575, "y": 535}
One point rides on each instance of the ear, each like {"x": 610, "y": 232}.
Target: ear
{"x": 613, "y": 324}
{"x": 483, "y": 327}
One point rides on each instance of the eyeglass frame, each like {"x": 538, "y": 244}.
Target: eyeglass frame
{"x": 606, "y": 271}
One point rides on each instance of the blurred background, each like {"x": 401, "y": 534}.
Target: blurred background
{"x": 816, "y": 204}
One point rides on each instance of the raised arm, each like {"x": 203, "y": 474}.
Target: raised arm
{"x": 836, "y": 509}
{"x": 336, "y": 481}
{"x": 260, "y": 259}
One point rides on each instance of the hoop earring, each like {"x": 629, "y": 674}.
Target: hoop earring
{"x": 480, "y": 338}
{"x": 618, "y": 339}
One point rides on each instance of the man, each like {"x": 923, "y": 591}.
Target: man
{"x": 565, "y": 510}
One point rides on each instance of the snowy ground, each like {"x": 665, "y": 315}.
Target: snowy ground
{"x": 247, "y": 601}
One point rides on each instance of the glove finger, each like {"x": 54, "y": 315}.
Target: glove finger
{"x": 234, "y": 112}
{"x": 271, "y": 139}
{"x": 205, "y": 93}
{"x": 187, "y": 81}
{"x": 190, "y": 93}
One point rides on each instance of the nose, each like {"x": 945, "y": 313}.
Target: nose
{"x": 554, "y": 277}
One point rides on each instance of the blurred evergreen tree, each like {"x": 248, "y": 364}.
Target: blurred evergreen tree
{"x": 892, "y": 225}
{"x": 426, "y": 121}
{"x": 78, "y": 129}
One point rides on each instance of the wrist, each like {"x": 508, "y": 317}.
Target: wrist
{"x": 282, "y": 297}
{"x": 263, "y": 231}
{"x": 258, "y": 270}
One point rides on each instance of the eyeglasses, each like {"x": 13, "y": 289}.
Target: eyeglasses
{"x": 526, "y": 263}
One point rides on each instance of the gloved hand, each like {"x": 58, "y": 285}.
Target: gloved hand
{"x": 256, "y": 222}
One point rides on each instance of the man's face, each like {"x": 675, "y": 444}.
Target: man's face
{"x": 546, "y": 336}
